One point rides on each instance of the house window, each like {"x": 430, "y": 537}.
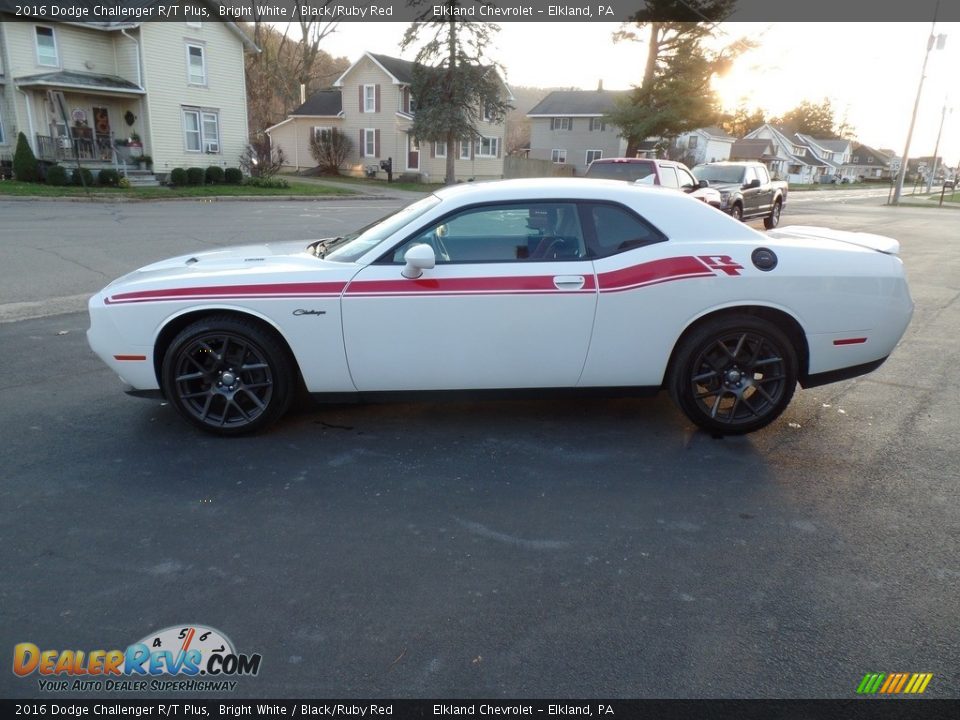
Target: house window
{"x": 321, "y": 133}
{"x": 870, "y": 159}
{"x": 464, "y": 149}
{"x": 369, "y": 98}
{"x": 369, "y": 142}
{"x": 558, "y": 156}
{"x": 594, "y": 155}
{"x": 47, "y": 47}
{"x": 692, "y": 142}
{"x": 487, "y": 113}
{"x": 561, "y": 123}
{"x": 487, "y": 147}
{"x": 196, "y": 65}
{"x": 440, "y": 149}
{"x": 201, "y": 130}
{"x": 597, "y": 124}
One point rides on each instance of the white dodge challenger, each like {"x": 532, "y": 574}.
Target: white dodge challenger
{"x": 558, "y": 284}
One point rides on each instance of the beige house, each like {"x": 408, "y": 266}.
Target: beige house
{"x": 172, "y": 90}
{"x": 371, "y": 103}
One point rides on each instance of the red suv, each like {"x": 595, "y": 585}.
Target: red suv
{"x": 645, "y": 171}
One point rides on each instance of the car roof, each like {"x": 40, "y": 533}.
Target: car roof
{"x": 676, "y": 214}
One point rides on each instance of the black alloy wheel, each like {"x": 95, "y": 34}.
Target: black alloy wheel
{"x": 734, "y": 374}
{"x": 228, "y": 376}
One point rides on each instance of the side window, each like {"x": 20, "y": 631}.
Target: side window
{"x": 515, "y": 232}
{"x": 668, "y": 177}
{"x": 762, "y": 174}
{"x": 686, "y": 179}
{"x": 617, "y": 229}
{"x": 749, "y": 175}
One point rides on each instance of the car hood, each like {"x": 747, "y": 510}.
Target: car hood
{"x": 240, "y": 264}
{"x": 880, "y": 243}
{"x": 724, "y": 187}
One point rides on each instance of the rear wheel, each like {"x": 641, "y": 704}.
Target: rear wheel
{"x": 773, "y": 219}
{"x": 228, "y": 376}
{"x": 734, "y": 374}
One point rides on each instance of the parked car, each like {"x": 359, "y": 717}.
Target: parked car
{"x": 746, "y": 190}
{"x": 568, "y": 284}
{"x": 647, "y": 171}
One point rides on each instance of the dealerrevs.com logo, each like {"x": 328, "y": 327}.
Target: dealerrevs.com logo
{"x": 179, "y": 658}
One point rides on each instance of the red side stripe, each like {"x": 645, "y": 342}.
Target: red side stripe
{"x": 232, "y": 291}
{"x": 649, "y": 273}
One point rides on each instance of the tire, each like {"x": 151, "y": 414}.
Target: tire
{"x": 736, "y": 212}
{"x": 734, "y": 374}
{"x": 773, "y": 219}
{"x": 228, "y": 376}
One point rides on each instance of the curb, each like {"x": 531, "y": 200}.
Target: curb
{"x": 214, "y": 198}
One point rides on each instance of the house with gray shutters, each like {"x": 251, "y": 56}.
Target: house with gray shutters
{"x": 567, "y": 128}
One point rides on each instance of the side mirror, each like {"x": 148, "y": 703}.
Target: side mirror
{"x": 418, "y": 258}
{"x": 755, "y": 183}
{"x": 704, "y": 183}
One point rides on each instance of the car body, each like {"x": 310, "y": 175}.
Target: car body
{"x": 574, "y": 284}
{"x": 746, "y": 190}
{"x": 654, "y": 171}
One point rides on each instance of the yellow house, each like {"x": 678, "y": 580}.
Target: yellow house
{"x": 106, "y": 93}
{"x": 371, "y": 103}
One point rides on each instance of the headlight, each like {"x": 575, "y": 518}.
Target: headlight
{"x": 724, "y": 199}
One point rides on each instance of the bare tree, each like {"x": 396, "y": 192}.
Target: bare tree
{"x": 330, "y": 149}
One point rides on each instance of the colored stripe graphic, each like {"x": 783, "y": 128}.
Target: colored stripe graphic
{"x": 894, "y": 683}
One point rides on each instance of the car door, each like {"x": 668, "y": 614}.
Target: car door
{"x": 767, "y": 192}
{"x": 509, "y": 304}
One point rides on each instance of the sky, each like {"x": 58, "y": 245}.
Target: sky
{"x": 871, "y": 71}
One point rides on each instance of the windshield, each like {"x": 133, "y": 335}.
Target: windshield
{"x": 620, "y": 170}
{"x": 350, "y": 247}
{"x": 719, "y": 173}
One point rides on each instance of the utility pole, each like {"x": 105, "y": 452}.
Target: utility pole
{"x": 931, "y": 41}
{"x": 936, "y": 148}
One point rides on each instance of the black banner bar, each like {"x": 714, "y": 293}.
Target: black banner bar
{"x": 853, "y": 11}
{"x": 853, "y": 709}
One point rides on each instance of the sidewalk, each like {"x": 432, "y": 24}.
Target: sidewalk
{"x": 385, "y": 192}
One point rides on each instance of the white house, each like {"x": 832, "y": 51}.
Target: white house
{"x": 709, "y": 144}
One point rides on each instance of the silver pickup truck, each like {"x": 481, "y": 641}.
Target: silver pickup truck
{"x": 746, "y": 190}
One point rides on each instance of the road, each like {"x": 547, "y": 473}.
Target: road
{"x": 497, "y": 549}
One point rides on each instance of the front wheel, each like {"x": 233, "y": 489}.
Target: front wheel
{"x": 734, "y": 374}
{"x": 228, "y": 376}
{"x": 736, "y": 212}
{"x": 773, "y": 219}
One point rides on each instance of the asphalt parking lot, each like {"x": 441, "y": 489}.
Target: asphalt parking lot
{"x": 549, "y": 548}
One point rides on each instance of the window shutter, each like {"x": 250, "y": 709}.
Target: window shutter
{"x": 376, "y": 95}
{"x": 473, "y": 150}
{"x": 363, "y": 144}
{"x": 376, "y": 139}
{"x": 433, "y": 150}
{"x": 571, "y": 123}
{"x": 499, "y": 148}
{"x": 361, "y": 97}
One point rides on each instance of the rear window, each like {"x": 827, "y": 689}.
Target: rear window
{"x": 629, "y": 171}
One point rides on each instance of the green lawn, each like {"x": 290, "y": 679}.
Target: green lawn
{"x": 848, "y": 186}
{"x": 12, "y": 187}
{"x": 383, "y": 184}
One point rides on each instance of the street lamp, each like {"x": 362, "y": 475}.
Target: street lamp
{"x": 939, "y": 41}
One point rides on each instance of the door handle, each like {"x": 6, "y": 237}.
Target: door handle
{"x": 568, "y": 282}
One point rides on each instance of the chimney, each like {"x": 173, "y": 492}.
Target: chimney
{"x": 600, "y": 85}
{"x": 303, "y": 93}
